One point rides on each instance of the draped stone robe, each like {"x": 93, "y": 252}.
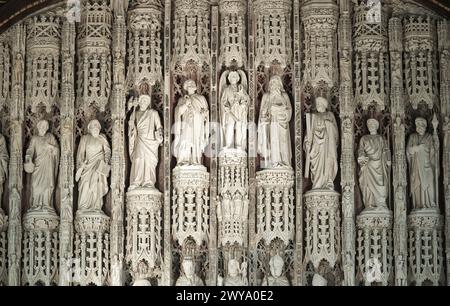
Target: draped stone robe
{"x": 422, "y": 170}
{"x": 274, "y": 140}
{"x": 4, "y": 158}
{"x": 43, "y": 151}
{"x": 144, "y": 147}
{"x": 233, "y": 114}
{"x": 323, "y": 153}
{"x": 94, "y": 154}
{"x": 191, "y": 133}
{"x": 374, "y": 176}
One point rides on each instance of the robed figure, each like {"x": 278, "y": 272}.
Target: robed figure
{"x": 320, "y": 145}
{"x": 42, "y": 161}
{"x": 374, "y": 159}
{"x": 145, "y": 136}
{"x": 274, "y": 139}
{"x": 4, "y": 158}
{"x": 93, "y": 158}
{"x": 421, "y": 155}
{"x": 191, "y": 126}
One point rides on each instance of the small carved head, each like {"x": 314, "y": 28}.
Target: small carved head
{"x": 144, "y": 102}
{"x": 94, "y": 127}
{"x": 234, "y": 77}
{"x": 188, "y": 267}
{"x": 275, "y": 84}
{"x": 142, "y": 268}
{"x": 321, "y": 104}
{"x": 372, "y": 125}
{"x": 276, "y": 264}
{"x": 190, "y": 87}
{"x": 42, "y": 127}
{"x": 233, "y": 268}
{"x": 421, "y": 125}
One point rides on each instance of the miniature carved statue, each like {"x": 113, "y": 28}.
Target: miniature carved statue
{"x": 142, "y": 274}
{"x": 233, "y": 109}
{"x": 420, "y": 153}
{"x": 276, "y": 277}
{"x": 191, "y": 126}
{"x": 93, "y": 164}
{"x": 116, "y": 270}
{"x": 145, "y": 136}
{"x": 188, "y": 276}
{"x": 374, "y": 159}
{"x": 400, "y": 271}
{"x": 42, "y": 161}
{"x": 4, "y": 159}
{"x": 274, "y": 139}
{"x": 236, "y": 276}
{"x": 320, "y": 145}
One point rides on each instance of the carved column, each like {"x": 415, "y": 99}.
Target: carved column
{"x": 444, "y": 83}
{"x": 5, "y": 87}
{"x": 92, "y": 228}
{"x": 16, "y": 153}
{"x": 399, "y": 157}
{"x": 347, "y": 142}
{"x": 118, "y": 165}
{"x": 67, "y": 163}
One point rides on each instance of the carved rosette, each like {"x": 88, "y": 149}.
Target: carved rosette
{"x": 232, "y": 38}
{"x": 320, "y": 22}
{"x": 144, "y": 41}
{"x": 144, "y": 231}
{"x": 40, "y": 247}
{"x": 421, "y": 73}
{"x": 191, "y": 32}
{"x": 3, "y": 247}
{"x": 5, "y": 70}
{"x": 94, "y": 54}
{"x": 190, "y": 207}
{"x": 374, "y": 246}
{"x": 275, "y": 205}
{"x": 232, "y": 210}
{"x": 425, "y": 246}
{"x": 273, "y": 32}
{"x": 323, "y": 240}
{"x": 43, "y": 53}
{"x": 371, "y": 58}
{"x": 91, "y": 248}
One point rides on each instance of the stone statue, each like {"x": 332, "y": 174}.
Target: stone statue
{"x": 349, "y": 272}
{"x": 4, "y": 159}
{"x": 274, "y": 139}
{"x": 374, "y": 158}
{"x": 233, "y": 109}
{"x": 188, "y": 276}
{"x": 142, "y": 274}
{"x": 116, "y": 271}
{"x": 400, "y": 271}
{"x": 236, "y": 276}
{"x": 319, "y": 280}
{"x": 420, "y": 152}
{"x": 42, "y": 161}
{"x": 276, "y": 277}
{"x": 93, "y": 164}
{"x": 191, "y": 126}
{"x": 320, "y": 145}
{"x": 145, "y": 136}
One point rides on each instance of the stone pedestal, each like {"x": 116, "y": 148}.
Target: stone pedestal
{"x": 190, "y": 207}
{"x": 374, "y": 246}
{"x": 232, "y": 210}
{"x": 425, "y": 246}
{"x": 144, "y": 231}
{"x": 91, "y": 248}
{"x": 40, "y": 247}
{"x": 275, "y": 205}
{"x": 323, "y": 241}
{"x": 3, "y": 248}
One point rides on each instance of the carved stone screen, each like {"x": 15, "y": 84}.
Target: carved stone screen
{"x": 225, "y": 142}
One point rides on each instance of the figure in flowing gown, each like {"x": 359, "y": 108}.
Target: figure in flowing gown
{"x": 274, "y": 139}
{"x": 420, "y": 152}
{"x": 191, "y": 126}
{"x": 145, "y": 136}
{"x": 320, "y": 146}
{"x": 93, "y": 158}
{"x": 42, "y": 161}
{"x": 374, "y": 159}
